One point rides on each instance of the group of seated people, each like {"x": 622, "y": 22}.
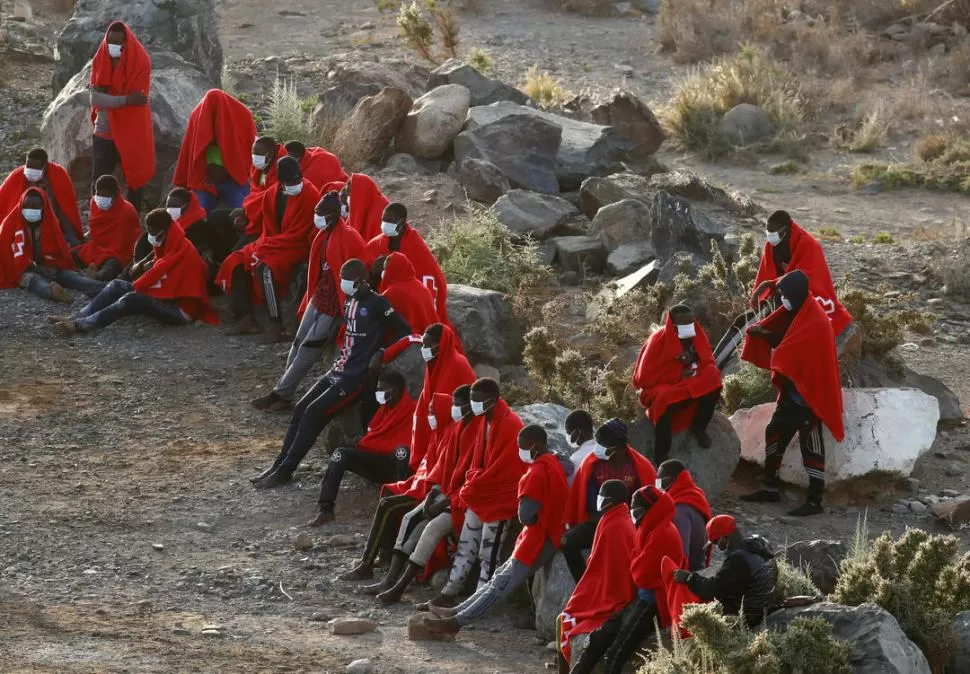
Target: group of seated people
{"x": 460, "y": 472}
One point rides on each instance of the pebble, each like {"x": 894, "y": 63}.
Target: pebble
{"x": 363, "y": 666}
{"x": 212, "y": 633}
{"x": 909, "y": 346}
{"x": 352, "y": 626}
{"x": 949, "y": 493}
{"x": 304, "y": 541}
{"x": 339, "y": 541}
{"x": 205, "y": 526}
{"x": 953, "y": 471}
{"x": 912, "y": 484}
{"x": 181, "y": 631}
{"x": 935, "y": 302}
{"x": 917, "y": 507}
{"x": 900, "y": 509}
{"x": 158, "y": 546}
{"x": 319, "y": 618}
{"x": 89, "y": 572}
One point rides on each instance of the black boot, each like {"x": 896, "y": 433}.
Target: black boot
{"x": 441, "y": 601}
{"x": 393, "y": 572}
{"x": 279, "y": 477}
{"x": 394, "y": 594}
{"x": 266, "y": 473}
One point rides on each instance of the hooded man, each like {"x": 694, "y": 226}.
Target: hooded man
{"x": 692, "y": 510}
{"x": 52, "y": 179}
{"x": 121, "y": 80}
{"x": 114, "y": 228}
{"x": 677, "y": 381}
{"x": 796, "y": 344}
{"x": 579, "y": 429}
{"x": 320, "y": 167}
{"x": 410, "y": 297}
{"x": 365, "y": 204}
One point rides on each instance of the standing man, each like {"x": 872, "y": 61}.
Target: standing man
{"x": 121, "y": 74}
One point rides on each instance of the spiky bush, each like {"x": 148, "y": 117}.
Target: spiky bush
{"x": 747, "y": 387}
{"x": 418, "y": 22}
{"x": 792, "y": 581}
{"x": 290, "y": 117}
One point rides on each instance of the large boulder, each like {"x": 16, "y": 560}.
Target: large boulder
{"x": 746, "y": 124}
{"x": 523, "y": 147}
{"x": 868, "y": 373}
{"x": 551, "y": 587}
{"x": 676, "y": 226}
{"x": 626, "y": 221}
{"x": 483, "y": 318}
{"x": 711, "y": 467}
{"x": 551, "y": 417}
{"x": 365, "y": 135}
{"x": 185, "y": 27}
{"x": 482, "y": 180}
{"x": 886, "y": 431}
{"x": 586, "y": 149}
{"x": 433, "y": 121}
{"x": 633, "y": 119}
{"x": 688, "y": 185}
{"x": 484, "y": 91}
{"x": 628, "y": 257}
{"x": 597, "y": 192}
{"x": 879, "y": 645}
{"x": 177, "y": 87}
{"x": 579, "y": 253}
{"x": 530, "y": 214}
{"x": 820, "y": 558}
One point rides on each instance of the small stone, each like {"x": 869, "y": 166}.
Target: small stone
{"x": 181, "y": 631}
{"x": 352, "y": 626}
{"x": 917, "y": 507}
{"x": 900, "y": 508}
{"x": 205, "y": 526}
{"x": 935, "y": 302}
{"x": 418, "y": 632}
{"x": 912, "y": 484}
{"x": 319, "y": 618}
{"x": 90, "y": 572}
{"x": 363, "y": 666}
{"x": 304, "y": 541}
{"x": 211, "y": 627}
{"x": 339, "y": 541}
{"x": 949, "y": 493}
{"x": 551, "y": 646}
{"x": 216, "y": 634}
{"x": 953, "y": 470}
{"x": 158, "y": 546}
{"x": 909, "y": 346}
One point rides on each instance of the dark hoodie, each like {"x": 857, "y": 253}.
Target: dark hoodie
{"x": 746, "y": 578}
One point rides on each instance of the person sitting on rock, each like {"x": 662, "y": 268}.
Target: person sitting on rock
{"x": 789, "y": 248}
{"x": 54, "y": 181}
{"x": 34, "y": 254}
{"x": 542, "y": 498}
{"x": 322, "y": 307}
{"x": 692, "y": 510}
{"x": 796, "y": 344}
{"x": 214, "y": 160}
{"x": 214, "y": 237}
{"x": 369, "y": 323}
{"x": 365, "y": 206}
{"x": 677, "y": 381}
{"x": 169, "y": 287}
{"x": 121, "y": 80}
{"x": 594, "y": 608}
{"x": 746, "y": 580}
{"x": 612, "y": 459}
{"x": 320, "y": 167}
{"x": 261, "y": 270}
{"x": 114, "y": 228}
{"x": 410, "y": 297}
{"x": 579, "y": 429}
{"x": 381, "y": 455}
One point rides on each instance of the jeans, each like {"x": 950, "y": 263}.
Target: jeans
{"x": 119, "y": 299}
{"x": 104, "y": 159}
{"x": 38, "y": 284}
{"x": 380, "y": 468}
{"x": 229, "y": 194}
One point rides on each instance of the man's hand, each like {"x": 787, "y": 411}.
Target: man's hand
{"x": 376, "y": 365}
{"x": 136, "y": 98}
{"x": 239, "y": 219}
{"x": 759, "y": 331}
{"x": 681, "y": 576}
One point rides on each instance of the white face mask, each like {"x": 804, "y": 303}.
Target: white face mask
{"x": 600, "y": 452}
{"x": 633, "y": 518}
{"x": 381, "y": 397}
{"x": 32, "y": 214}
{"x": 320, "y": 221}
{"x": 174, "y": 213}
{"x": 599, "y": 502}
{"x": 525, "y": 455}
{"x": 33, "y": 175}
{"x": 154, "y": 240}
{"x": 658, "y": 483}
{"x": 774, "y": 238}
{"x": 114, "y": 51}
{"x": 292, "y": 190}
{"x": 348, "y": 203}
{"x": 103, "y": 203}
{"x": 259, "y": 161}
{"x": 686, "y": 331}
{"x": 347, "y": 287}
{"x": 388, "y": 229}
{"x": 427, "y": 354}
{"x": 432, "y": 422}
{"x": 785, "y": 302}
{"x": 478, "y": 408}
{"x": 456, "y": 414}
{"x": 344, "y": 211}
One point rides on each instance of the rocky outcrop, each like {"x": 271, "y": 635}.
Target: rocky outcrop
{"x": 365, "y": 135}
{"x": 624, "y": 222}
{"x": 552, "y": 418}
{"x": 484, "y": 91}
{"x": 530, "y": 214}
{"x": 676, "y": 226}
{"x": 483, "y": 318}
{"x": 820, "y": 558}
{"x": 433, "y": 122}
{"x": 633, "y": 119}
{"x": 597, "y": 192}
{"x": 551, "y": 587}
{"x": 482, "y": 180}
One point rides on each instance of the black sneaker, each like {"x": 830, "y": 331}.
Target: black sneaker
{"x": 267, "y": 401}
{"x": 762, "y": 496}
{"x": 276, "y": 479}
{"x": 807, "y": 509}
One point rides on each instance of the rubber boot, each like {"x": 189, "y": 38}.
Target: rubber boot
{"x": 394, "y": 594}
{"x": 393, "y": 572}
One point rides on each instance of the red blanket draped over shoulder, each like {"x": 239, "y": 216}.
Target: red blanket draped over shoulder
{"x": 191, "y": 214}
{"x": 260, "y": 183}
{"x": 389, "y": 428}
{"x": 807, "y": 256}
{"x": 322, "y": 168}
{"x": 806, "y": 356}
{"x": 446, "y": 372}
{"x": 545, "y": 483}
{"x": 407, "y": 295}
{"x": 657, "y": 538}
{"x": 607, "y": 584}
{"x": 335, "y": 245}
{"x": 659, "y": 375}
{"x": 417, "y": 486}
{"x": 179, "y": 273}
{"x": 426, "y": 266}
{"x": 491, "y": 487}
{"x": 226, "y": 122}
{"x": 113, "y": 233}
{"x": 685, "y": 491}
{"x": 17, "y": 248}
{"x": 367, "y": 206}
{"x": 131, "y": 125}
{"x": 576, "y": 505}
{"x": 281, "y": 246}
{"x": 62, "y": 189}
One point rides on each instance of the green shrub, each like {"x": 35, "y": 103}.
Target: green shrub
{"x": 480, "y": 60}
{"x": 941, "y": 163}
{"x": 883, "y": 238}
{"x": 289, "y": 117}
{"x": 880, "y": 325}
{"x": 747, "y": 387}
{"x": 418, "y": 23}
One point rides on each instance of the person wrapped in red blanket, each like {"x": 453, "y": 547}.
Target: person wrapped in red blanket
{"x": 692, "y": 511}
{"x": 121, "y": 81}
{"x": 214, "y": 160}
{"x": 260, "y": 271}
{"x": 114, "y": 228}
{"x": 365, "y": 206}
{"x": 54, "y": 181}
{"x": 594, "y": 608}
{"x": 677, "y": 380}
{"x": 320, "y": 167}
{"x": 214, "y": 238}
{"x": 406, "y": 294}
{"x": 796, "y": 344}
{"x": 542, "y": 496}
{"x": 248, "y": 219}
{"x": 170, "y": 287}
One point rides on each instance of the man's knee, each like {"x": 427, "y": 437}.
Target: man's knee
{"x": 129, "y": 300}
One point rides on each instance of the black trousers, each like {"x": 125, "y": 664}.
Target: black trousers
{"x": 600, "y": 641}
{"x": 638, "y": 625}
{"x": 577, "y": 539}
{"x": 384, "y": 526}
{"x": 380, "y": 468}
{"x": 662, "y": 431}
{"x": 104, "y": 159}
{"x": 791, "y": 418}
{"x": 242, "y": 292}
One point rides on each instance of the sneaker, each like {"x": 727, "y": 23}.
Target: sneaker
{"x": 322, "y": 518}
{"x": 762, "y": 496}
{"x": 807, "y": 509}
{"x": 276, "y": 479}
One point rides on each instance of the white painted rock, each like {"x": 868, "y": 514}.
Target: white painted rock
{"x": 886, "y": 430}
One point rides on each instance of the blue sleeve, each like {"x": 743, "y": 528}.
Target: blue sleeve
{"x": 647, "y": 595}
{"x": 591, "y": 493}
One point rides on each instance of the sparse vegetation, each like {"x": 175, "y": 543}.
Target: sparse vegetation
{"x": 290, "y": 117}
{"x": 420, "y": 22}
{"x": 829, "y": 234}
{"x": 543, "y": 88}
{"x": 857, "y": 239}
{"x": 953, "y": 268}
{"x": 883, "y": 238}
{"x": 480, "y": 60}
{"x": 869, "y": 134}
{"x": 747, "y": 387}
{"x": 942, "y": 163}
{"x": 788, "y": 167}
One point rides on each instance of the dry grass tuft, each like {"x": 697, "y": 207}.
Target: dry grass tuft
{"x": 941, "y": 163}
{"x": 871, "y": 132}
{"x": 543, "y": 88}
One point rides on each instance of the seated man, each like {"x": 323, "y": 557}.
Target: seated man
{"x": 789, "y": 247}
{"x": 34, "y": 254}
{"x": 692, "y": 510}
{"x": 322, "y": 307}
{"x": 653, "y": 511}
{"x": 796, "y": 344}
{"x": 406, "y": 294}
{"x": 215, "y": 158}
{"x": 677, "y": 381}
{"x": 261, "y": 270}
{"x": 213, "y": 237}
{"x": 746, "y": 580}
{"x": 263, "y": 177}
{"x": 320, "y": 167}
{"x": 579, "y": 430}
{"x": 57, "y": 186}
{"x": 612, "y": 459}
{"x": 369, "y": 319}
{"x": 381, "y": 455}
{"x": 114, "y": 228}
{"x": 595, "y": 606}
{"x": 542, "y": 498}
{"x": 365, "y": 216}
{"x": 171, "y": 288}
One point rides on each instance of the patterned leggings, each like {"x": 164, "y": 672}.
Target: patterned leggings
{"x": 479, "y": 540}
{"x": 791, "y": 418}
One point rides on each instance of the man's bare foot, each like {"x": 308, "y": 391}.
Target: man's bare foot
{"x": 66, "y": 328}
{"x": 245, "y": 326}
{"x": 58, "y": 319}
{"x": 91, "y": 271}
{"x": 322, "y": 518}
{"x": 60, "y": 294}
